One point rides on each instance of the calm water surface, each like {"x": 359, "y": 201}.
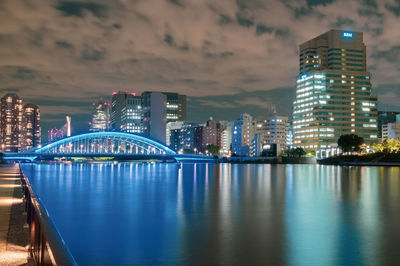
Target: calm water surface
{"x": 223, "y": 214}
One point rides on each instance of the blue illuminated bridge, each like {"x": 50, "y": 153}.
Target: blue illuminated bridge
{"x": 117, "y": 145}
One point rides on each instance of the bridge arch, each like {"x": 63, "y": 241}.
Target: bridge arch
{"x": 106, "y": 143}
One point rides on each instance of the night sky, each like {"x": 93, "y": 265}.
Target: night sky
{"x": 228, "y": 56}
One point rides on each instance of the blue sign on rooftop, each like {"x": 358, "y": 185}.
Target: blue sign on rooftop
{"x": 347, "y": 34}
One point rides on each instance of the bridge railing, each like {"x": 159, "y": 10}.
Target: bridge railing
{"x": 46, "y": 244}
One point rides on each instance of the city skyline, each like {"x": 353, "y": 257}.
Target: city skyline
{"x": 240, "y": 58}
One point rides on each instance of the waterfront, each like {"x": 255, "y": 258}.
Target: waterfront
{"x": 229, "y": 214}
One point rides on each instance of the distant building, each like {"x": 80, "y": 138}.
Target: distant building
{"x": 198, "y": 138}
{"x": 118, "y": 104}
{"x": 175, "y": 106}
{"x": 183, "y": 139}
{"x": 226, "y": 138}
{"x": 171, "y": 126}
{"x": 333, "y": 94}
{"x": 54, "y": 134}
{"x": 289, "y": 141}
{"x": 67, "y": 128}
{"x": 384, "y": 118}
{"x": 154, "y": 115}
{"x": 131, "y": 118}
{"x": 101, "y": 120}
{"x": 31, "y": 131}
{"x": 210, "y": 133}
{"x": 10, "y": 123}
{"x": 242, "y": 135}
{"x": 391, "y": 130}
{"x": 273, "y": 129}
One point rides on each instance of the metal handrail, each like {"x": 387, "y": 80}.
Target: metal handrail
{"x": 58, "y": 251}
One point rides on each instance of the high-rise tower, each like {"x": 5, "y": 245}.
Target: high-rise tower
{"x": 333, "y": 93}
{"x": 31, "y": 131}
{"x": 10, "y": 123}
{"x": 118, "y": 103}
{"x": 100, "y": 116}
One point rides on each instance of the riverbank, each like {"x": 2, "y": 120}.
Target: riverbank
{"x": 372, "y": 159}
{"x": 14, "y": 233}
{"x": 269, "y": 160}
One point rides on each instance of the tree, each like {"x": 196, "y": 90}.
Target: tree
{"x": 213, "y": 149}
{"x": 350, "y": 143}
{"x": 294, "y": 152}
{"x": 388, "y": 146}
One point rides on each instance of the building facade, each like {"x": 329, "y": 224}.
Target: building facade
{"x": 10, "y": 123}
{"x": 333, "y": 93}
{"x": 118, "y": 103}
{"x": 211, "y": 133}
{"x": 154, "y": 115}
{"x": 391, "y": 130}
{"x": 171, "y": 126}
{"x": 31, "y": 131}
{"x": 131, "y": 115}
{"x": 101, "y": 120}
{"x": 182, "y": 139}
{"x": 175, "y": 106}
{"x": 384, "y": 118}
{"x": 271, "y": 130}
{"x": 226, "y": 138}
{"x": 242, "y": 135}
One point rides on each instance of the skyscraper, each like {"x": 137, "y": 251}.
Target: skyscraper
{"x": 333, "y": 95}
{"x": 175, "y": 106}
{"x": 100, "y": 116}
{"x": 131, "y": 117}
{"x": 154, "y": 115}
{"x": 10, "y": 123}
{"x": 118, "y": 103}
{"x": 31, "y": 131}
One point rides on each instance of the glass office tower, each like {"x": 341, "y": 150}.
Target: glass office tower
{"x": 333, "y": 92}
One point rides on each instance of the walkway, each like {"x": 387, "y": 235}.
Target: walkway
{"x": 13, "y": 228}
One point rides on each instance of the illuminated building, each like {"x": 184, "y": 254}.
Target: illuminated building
{"x": 67, "y": 127}
{"x": 175, "y": 106}
{"x": 118, "y": 103}
{"x": 391, "y": 130}
{"x": 171, "y": 126}
{"x": 10, "y": 123}
{"x": 210, "y": 133}
{"x": 100, "y": 117}
{"x": 226, "y": 138}
{"x": 54, "y": 134}
{"x": 333, "y": 95}
{"x": 384, "y": 118}
{"x": 198, "y": 139}
{"x": 183, "y": 139}
{"x": 31, "y": 131}
{"x": 242, "y": 135}
{"x": 131, "y": 115}
{"x": 154, "y": 115}
{"x": 273, "y": 129}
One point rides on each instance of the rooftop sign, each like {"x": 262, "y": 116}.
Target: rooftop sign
{"x": 347, "y": 34}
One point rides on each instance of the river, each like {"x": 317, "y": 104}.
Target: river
{"x": 223, "y": 214}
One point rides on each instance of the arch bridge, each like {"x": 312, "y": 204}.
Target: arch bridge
{"x": 104, "y": 144}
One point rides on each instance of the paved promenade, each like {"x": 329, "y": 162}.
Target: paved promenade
{"x": 13, "y": 228}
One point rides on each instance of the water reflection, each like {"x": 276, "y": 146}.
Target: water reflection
{"x": 223, "y": 214}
